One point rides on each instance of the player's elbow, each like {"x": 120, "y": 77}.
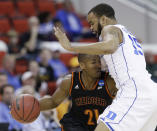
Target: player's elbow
{"x": 112, "y": 49}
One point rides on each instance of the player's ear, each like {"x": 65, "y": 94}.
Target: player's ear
{"x": 82, "y": 65}
{"x": 103, "y": 20}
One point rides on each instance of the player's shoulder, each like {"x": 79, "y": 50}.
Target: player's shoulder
{"x": 66, "y": 79}
{"x": 64, "y": 82}
{"x": 111, "y": 28}
{"x": 114, "y": 31}
{"x": 70, "y": 77}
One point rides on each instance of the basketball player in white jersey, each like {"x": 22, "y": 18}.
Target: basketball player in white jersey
{"x": 135, "y": 106}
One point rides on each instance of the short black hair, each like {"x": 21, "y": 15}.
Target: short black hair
{"x": 103, "y": 9}
{"x": 55, "y": 20}
{"x": 43, "y": 16}
{"x": 80, "y": 57}
{"x": 3, "y": 87}
{"x": 84, "y": 57}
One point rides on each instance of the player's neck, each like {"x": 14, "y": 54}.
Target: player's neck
{"x": 88, "y": 81}
{"x": 112, "y": 22}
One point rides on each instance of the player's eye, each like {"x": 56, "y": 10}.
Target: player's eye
{"x": 93, "y": 62}
{"x": 91, "y": 23}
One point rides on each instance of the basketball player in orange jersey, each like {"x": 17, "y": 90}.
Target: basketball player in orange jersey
{"x": 91, "y": 90}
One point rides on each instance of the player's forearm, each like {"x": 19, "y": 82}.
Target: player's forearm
{"x": 104, "y": 47}
{"x": 47, "y": 103}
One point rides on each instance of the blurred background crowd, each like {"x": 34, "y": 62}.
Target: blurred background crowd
{"x": 27, "y": 66}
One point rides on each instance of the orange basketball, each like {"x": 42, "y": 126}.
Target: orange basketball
{"x": 25, "y": 108}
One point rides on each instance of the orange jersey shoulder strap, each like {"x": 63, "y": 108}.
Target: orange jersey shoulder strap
{"x": 106, "y": 85}
{"x": 72, "y": 82}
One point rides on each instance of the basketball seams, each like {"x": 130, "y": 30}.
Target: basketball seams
{"x": 30, "y": 111}
{"x": 16, "y": 112}
{"x": 12, "y": 111}
{"x": 36, "y": 114}
{"x": 33, "y": 118}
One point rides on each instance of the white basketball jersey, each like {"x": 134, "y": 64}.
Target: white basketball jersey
{"x": 127, "y": 61}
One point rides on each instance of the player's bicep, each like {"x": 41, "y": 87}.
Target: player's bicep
{"x": 62, "y": 91}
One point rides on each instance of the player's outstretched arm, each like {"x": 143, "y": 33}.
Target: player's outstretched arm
{"x": 62, "y": 92}
{"x": 111, "y": 38}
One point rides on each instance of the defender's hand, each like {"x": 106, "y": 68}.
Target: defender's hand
{"x": 62, "y": 38}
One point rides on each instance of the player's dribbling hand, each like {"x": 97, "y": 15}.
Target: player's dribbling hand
{"x": 62, "y": 38}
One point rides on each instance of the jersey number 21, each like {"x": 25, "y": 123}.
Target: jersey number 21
{"x": 91, "y": 113}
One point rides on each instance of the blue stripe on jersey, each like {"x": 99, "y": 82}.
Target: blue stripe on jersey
{"x": 109, "y": 126}
{"x": 121, "y": 44}
{"x": 115, "y": 69}
{"x": 108, "y": 123}
{"x": 132, "y": 103}
{"x": 125, "y": 62}
{"x": 134, "y": 86}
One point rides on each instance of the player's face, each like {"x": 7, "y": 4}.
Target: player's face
{"x": 93, "y": 66}
{"x": 95, "y": 25}
{"x": 7, "y": 95}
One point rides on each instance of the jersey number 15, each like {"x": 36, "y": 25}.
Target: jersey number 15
{"x": 136, "y": 45}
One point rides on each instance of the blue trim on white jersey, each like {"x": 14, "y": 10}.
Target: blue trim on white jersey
{"x": 115, "y": 69}
{"x": 109, "y": 126}
{"x": 108, "y": 123}
{"x": 121, "y": 44}
{"x": 125, "y": 62}
{"x": 132, "y": 103}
